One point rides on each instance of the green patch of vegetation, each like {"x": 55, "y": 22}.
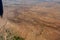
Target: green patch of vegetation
{"x": 18, "y": 38}
{"x": 1, "y": 38}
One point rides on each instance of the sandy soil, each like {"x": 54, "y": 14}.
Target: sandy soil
{"x": 38, "y": 22}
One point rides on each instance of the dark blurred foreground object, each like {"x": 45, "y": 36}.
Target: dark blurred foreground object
{"x": 1, "y": 9}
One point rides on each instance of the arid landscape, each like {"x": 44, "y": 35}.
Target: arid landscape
{"x": 31, "y": 22}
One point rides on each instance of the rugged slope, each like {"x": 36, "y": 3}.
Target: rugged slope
{"x": 32, "y": 22}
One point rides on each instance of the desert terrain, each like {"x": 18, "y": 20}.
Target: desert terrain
{"x": 31, "y": 22}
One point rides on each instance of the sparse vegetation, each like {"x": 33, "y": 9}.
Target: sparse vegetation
{"x": 18, "y": 38}
{"x": 1, "y": 37}
{"x": 13, "y": 36}
{"x": 7, "y": 34}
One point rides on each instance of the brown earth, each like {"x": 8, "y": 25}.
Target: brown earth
{"x": 38, "y": 22}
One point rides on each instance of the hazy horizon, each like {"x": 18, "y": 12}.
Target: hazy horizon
{"x": 27, "y": 1}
